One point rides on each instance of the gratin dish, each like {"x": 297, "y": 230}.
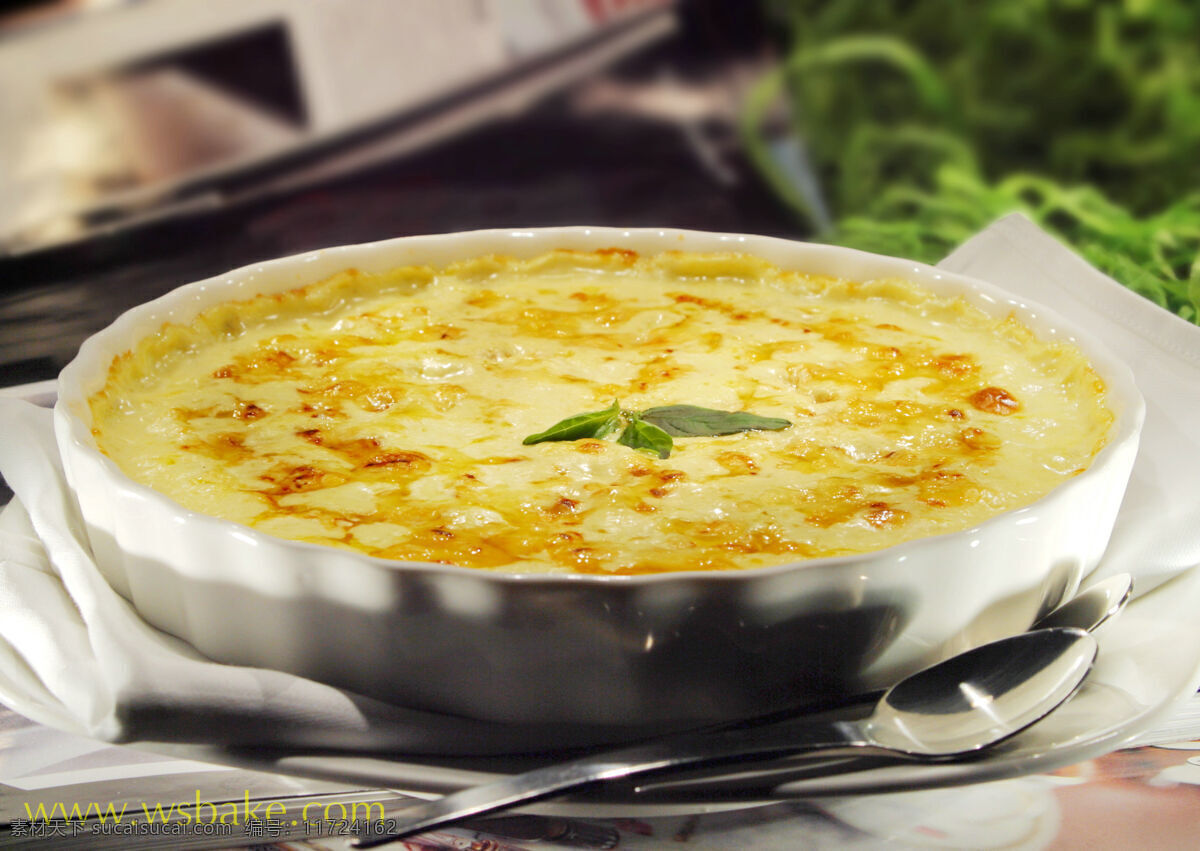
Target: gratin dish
{"x": 585, "y": 658}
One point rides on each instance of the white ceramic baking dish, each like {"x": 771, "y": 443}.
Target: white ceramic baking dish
{"x": 587, "y": 658}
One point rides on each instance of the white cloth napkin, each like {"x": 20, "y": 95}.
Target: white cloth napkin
{"x": 75, "y": 655}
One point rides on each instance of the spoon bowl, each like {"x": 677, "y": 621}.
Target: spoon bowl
{"x": 957, "y": 707}
{"x": 978, "y": 698}
{"x": 1092, "y": 606}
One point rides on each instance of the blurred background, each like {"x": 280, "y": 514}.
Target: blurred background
{"x": 148, "y": 143}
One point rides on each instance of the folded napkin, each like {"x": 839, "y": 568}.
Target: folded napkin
{"x": 75, "y": 655}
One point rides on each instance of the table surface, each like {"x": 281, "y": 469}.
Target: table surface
{"x": 556, "y": 164}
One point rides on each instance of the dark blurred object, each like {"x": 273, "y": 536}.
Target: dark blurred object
{"x": 130, "y": 111}
{"x": 650, "y": 141}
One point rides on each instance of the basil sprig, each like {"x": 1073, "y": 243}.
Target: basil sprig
{"x": 654, "y": 429}
{"x": 693, "y": 421}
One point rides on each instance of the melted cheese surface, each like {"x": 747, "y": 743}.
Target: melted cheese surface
{"x": 386, "y": 413}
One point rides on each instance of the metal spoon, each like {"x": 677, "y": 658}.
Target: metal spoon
{"x": 1091, "y": 607}
{"x": 1087, "y": 610}
{"x": 954, "y": 708}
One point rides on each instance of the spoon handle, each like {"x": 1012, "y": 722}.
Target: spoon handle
{"x": 690, "y": 750}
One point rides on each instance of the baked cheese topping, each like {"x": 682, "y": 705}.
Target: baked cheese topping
{"x": 386, "y": 413}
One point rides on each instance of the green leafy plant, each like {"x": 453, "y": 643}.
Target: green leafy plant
{"x": 904, "y": 128}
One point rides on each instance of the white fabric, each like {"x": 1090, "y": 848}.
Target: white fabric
{"x": 75, "y": 655}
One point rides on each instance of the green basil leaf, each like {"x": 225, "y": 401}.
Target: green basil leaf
{"x": 646, "y": 437}
{"x": 693, "y": 421}
{"x": 580, "y": 426}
